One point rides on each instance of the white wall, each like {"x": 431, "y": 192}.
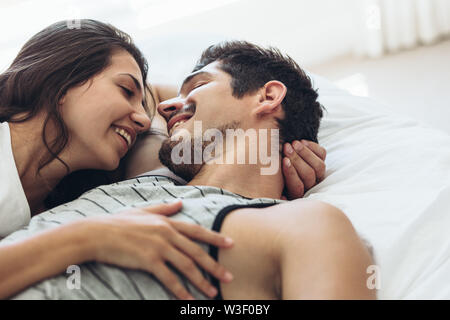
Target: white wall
{"x": 311, "y": 31}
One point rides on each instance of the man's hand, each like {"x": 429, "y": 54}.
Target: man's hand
{"x": 303, "y": 167}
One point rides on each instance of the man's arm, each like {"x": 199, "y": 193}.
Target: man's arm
{"x": 297, "y": 250}
{"x": 164, "y": 91}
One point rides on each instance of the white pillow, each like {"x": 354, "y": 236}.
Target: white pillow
{"x": 391, "y": 176}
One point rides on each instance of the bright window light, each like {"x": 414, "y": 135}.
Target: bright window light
{"x": 156, "y": 12}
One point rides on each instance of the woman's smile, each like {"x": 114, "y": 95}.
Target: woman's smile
{"x": 123, "y": 141}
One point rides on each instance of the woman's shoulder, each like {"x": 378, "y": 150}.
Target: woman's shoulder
{"x": 6, "y": 148}
{"x": 14, "y": 209}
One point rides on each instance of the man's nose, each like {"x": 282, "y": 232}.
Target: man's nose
{"x": 168, "y": 107}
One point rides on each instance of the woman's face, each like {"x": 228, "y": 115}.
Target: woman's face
{"x": 104, "y": 115}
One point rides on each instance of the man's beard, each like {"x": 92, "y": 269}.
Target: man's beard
{"x": 189, "y": 170}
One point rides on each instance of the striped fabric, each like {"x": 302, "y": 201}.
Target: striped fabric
{"x": 100, "y": 281}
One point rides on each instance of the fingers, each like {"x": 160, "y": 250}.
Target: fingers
{"x": 202, "y": 258}
{"x": 187, "y": 257}
{"x": 170, "y": 281}
{"x": 166, "y": 209}
{"x": 304, "y": 171}
{"x": 310, "y": 167}
{"x": 191, "y": 271}
{"x": 197, "y": 232}
{"x": 320, "y": 151}
{"x": 315, "y": 161}
{"x": 294, "y": 186}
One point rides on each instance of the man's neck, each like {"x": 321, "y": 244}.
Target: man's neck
{"x": 245, "y": 180}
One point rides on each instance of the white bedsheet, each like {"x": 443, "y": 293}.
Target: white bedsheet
{"x": 391, "y": 176}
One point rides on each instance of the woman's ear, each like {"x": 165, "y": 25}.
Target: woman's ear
{"x": 62, "y": 99}
{"x": 270, "y": 98}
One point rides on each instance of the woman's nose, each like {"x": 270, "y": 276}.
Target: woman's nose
{"x": 168, "y": 107}
{"x": 141, "y": 121}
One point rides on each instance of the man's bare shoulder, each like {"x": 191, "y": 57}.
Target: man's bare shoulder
{"x": 279, "y": 215}
{"x": 259, "y": 234}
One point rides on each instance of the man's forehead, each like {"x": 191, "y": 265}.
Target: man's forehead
{"x": 211, "y": 69}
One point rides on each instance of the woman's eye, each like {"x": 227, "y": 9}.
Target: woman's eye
{"x": 128, "y": 92}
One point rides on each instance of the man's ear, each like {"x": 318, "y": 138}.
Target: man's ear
{"x": 270, "y": 98}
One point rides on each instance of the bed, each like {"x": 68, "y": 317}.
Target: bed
{"x": 391, "y": 176}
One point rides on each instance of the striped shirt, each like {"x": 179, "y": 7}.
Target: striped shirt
{"x": 202, "y": 205}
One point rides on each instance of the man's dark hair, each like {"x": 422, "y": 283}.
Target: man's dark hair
{"x": 252, "y": 66}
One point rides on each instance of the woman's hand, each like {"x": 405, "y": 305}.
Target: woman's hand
{"x": 145, "y": 239}
{"x": 303, "y": 167}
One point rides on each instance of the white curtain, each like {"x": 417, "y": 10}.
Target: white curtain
{"x": 392, "y": 25}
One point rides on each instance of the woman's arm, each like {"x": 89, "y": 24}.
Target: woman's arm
{"x": 303, "y": 167}
{"x": 41, "y": 256}
{"x": 143, "y": 239}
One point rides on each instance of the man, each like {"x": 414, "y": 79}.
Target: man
{"x": 294, "y": 250}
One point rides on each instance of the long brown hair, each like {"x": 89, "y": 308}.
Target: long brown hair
{"x": 61, "y": 56}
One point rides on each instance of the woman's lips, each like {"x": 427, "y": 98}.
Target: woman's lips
{"x": 131, "y": 133}
{"x": 123, "y": 143}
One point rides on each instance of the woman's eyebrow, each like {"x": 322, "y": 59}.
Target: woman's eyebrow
{"x": 136, "y": 82}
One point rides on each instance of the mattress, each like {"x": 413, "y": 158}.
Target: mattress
{"x": 391, "y": 176}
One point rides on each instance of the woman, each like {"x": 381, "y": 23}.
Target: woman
{"x": 76, "y": 99}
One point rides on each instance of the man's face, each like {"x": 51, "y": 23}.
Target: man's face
{"x": 206, "y": 97}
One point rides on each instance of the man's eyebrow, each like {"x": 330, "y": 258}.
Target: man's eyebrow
{"x": 190, "y": 77}
{"x": 136, "y": 82}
